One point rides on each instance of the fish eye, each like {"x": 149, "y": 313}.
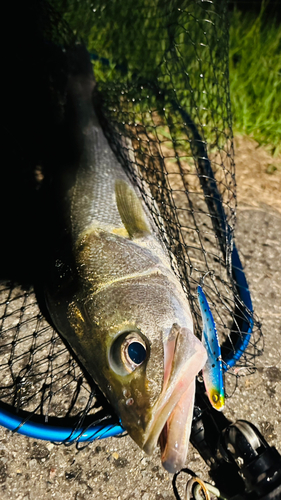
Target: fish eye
{"x": 133, "y": 351}
{"x": 128, "y": 352}
{"x": 137, "y": 352}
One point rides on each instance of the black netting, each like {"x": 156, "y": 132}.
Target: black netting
{"x": 162, "y": 98}
{"x": 38, "y": 373}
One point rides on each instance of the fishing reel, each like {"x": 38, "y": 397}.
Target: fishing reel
{"x": 259, "y": 465}
{"x": 243, "y": 465}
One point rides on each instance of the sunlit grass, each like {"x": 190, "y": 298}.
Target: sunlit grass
{"x": 254, "y": 61}
{"x": 255, "y": 78}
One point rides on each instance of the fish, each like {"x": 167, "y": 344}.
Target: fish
{"x": 113, "y": 296}
{"x": 212, "y": 370}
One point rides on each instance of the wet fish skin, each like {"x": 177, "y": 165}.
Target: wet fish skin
{"x": 113, "y": 286}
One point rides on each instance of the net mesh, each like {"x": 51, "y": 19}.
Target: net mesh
{"x": 163, "y": 101}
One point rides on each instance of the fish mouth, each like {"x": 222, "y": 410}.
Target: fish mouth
{"x": 184, "y": 357}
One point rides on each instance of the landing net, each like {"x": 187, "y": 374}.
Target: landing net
{"x": 163, "y": 100}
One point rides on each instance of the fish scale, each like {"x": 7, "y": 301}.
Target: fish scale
{"x": 93, "y": 193}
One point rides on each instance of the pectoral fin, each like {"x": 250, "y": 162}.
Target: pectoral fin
{"x": 131, "y": 210}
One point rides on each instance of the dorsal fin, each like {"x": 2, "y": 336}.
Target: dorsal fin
{"x": 131, "y": 210}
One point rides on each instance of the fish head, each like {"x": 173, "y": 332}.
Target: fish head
{"x": 140, "y": 348}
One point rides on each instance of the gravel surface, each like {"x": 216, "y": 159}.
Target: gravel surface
{"x": 116, "y": 469}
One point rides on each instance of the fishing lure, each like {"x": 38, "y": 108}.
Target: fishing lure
{"x": 212, "y": 371}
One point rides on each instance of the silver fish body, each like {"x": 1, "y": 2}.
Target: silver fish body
{"x": 117, "y": 301}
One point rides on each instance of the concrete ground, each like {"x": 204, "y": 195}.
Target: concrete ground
{"x": 116, "y": 469}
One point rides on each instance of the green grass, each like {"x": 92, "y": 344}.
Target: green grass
{"x": 118, "y": 31}
{"x": 255, "y": 78}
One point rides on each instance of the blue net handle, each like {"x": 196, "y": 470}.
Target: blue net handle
{"x": 48, "y": 432}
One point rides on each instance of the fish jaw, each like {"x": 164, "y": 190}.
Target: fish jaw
{"x": 172, "y": 414}
{"x": 174, "y": 438}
